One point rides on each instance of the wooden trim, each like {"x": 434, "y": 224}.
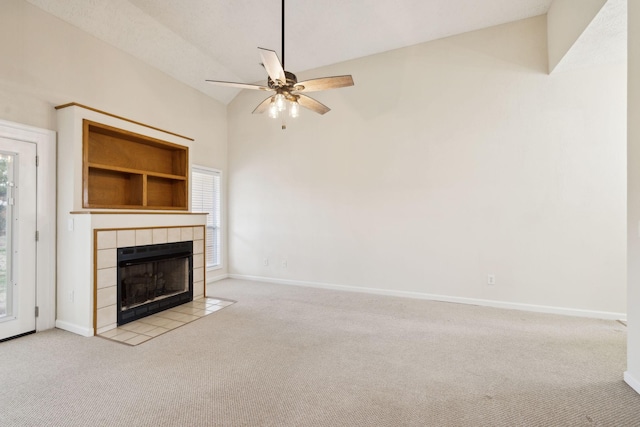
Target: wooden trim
{"x": 204, "y": 256}
{"x": 85, "y": 162}
{"x": 112, "y": 212}
{"x": 149, "y": 228}
{"x": 169, "y": 209}
{"x": 71, "y": 104}
{"x": 135, "y": 171}
{"x": 145, "y": 192}
{"x": 95, "y": 282}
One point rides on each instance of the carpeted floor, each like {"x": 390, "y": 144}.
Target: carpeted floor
{"x": 288, "y": 356}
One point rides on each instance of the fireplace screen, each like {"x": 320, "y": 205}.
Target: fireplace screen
{"x": 153, "y": 278}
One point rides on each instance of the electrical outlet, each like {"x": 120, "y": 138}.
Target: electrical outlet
{"x": 284, "y": 263}
{"x": 491, "y": 279}
{"x": 265, "y": 262}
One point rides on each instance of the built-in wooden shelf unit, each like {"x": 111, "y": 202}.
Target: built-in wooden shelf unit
{"x": 125, "y": 170}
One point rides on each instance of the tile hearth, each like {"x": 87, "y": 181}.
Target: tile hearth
{"x": 144, "y": 329}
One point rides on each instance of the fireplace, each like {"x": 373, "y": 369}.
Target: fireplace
{"x": 153, "y": 278}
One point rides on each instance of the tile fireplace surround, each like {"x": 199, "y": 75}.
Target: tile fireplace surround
{"x": 106, "y": 244}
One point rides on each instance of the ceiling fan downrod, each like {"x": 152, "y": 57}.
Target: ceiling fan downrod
{"x": 282, "y": 34}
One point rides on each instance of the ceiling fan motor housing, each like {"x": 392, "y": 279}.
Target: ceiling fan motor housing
{"x": 291, "y": 81}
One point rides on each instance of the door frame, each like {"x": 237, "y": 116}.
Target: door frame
{"x": 45, "y": 141}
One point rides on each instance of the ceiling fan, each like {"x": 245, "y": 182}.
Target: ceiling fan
{"x": 289, "y": 93}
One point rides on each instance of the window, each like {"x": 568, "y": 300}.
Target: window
{"x": 205, "y": 197}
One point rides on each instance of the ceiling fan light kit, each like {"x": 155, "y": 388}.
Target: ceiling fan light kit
{"x": 288, "y": 95}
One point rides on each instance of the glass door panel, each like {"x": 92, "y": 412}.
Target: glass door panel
{"x": 6, "y": 182}
{"x": 17, "y": 237}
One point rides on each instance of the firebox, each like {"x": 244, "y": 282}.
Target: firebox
{"x": 153, "y": 278}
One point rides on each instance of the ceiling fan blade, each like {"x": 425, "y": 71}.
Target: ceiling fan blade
{"x": 312, "y": 104}
{"x": 272, "y": 65}
{"x": 238, "y": 85}
{"x": 263, "y": 106}
{"x": 324, "y": 83}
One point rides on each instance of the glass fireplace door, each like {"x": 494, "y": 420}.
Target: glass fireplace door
{"x": 153, "y": 278}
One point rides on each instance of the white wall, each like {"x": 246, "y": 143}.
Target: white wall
{"x": 447, "y": 161}
{"x": 567, "y": 20}
{"x": 632, "y": 375}
{"x": 46, "y": 62}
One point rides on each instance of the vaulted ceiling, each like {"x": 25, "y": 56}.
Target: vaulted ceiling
{"x": 194, "y": 40}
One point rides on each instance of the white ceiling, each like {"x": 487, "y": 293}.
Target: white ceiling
{"x": 194, "y": 40}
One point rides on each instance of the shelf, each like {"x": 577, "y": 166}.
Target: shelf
{"x": 114, "y": 188}
{"x": 124, "y": 170}
{"x": 165, "y": 192}
{"x": 135, "y": 171}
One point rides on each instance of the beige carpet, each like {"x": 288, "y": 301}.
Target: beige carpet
{"x": 287, "y": 356}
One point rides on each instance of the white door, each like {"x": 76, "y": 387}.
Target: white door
{"x": 17, "y": 237}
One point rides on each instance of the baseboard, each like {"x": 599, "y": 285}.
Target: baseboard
{"x": 633, "y": 382}
{"x": 443, "y": 298}
{"x": 71, "y": 327}
{"x": 212, "y": 279}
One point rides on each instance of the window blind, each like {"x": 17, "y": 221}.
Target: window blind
{"x": 205, "y": 198}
